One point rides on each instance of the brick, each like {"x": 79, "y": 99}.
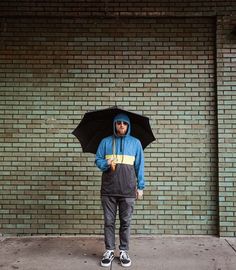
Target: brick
{"x": 90, "y": 63}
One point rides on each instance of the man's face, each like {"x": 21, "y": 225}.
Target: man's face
{"x": 121, "y": 128}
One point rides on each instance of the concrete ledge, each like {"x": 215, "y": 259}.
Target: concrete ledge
{"x": 154, "y": 252}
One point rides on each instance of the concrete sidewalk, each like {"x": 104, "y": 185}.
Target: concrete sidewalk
{"x": 149, "y": 253}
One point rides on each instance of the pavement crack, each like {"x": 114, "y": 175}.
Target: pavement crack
{"x": 234, "y": 249}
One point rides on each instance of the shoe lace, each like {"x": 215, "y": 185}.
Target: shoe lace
{"x": 124, "y": 255}
{"x": 107, "y": 254}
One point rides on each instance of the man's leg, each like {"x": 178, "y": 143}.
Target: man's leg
{"x": 126, "y": 206}
{"x": 109, "y": 205}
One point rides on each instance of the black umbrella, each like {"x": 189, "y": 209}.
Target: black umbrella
{"x": 98, "y": 124}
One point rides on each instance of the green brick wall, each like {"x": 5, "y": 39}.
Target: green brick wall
{"x": 226, "y": 84}
{"x": 173, "y": 63}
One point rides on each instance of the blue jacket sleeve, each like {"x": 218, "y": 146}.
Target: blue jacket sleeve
{"x": 139, "y": 166}
{"x": 100, "y": 160}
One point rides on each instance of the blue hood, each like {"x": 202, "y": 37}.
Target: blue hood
{"x": 121, "y": 117}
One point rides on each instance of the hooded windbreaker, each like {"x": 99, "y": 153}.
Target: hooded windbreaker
{"x": 128, "y": 152}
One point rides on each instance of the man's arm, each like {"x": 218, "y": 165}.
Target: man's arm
{"x": 100, "y": 160}
{"x": 139, "y": 168}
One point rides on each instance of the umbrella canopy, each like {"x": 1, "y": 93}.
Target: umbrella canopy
{"x": 98, "y": 124}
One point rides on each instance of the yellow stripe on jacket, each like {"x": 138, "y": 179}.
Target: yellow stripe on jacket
{"x": 122, "y": 159}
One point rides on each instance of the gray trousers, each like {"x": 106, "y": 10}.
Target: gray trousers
{"x": 110, "y": 205}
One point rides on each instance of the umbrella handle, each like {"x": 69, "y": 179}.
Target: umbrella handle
{"x": 113, "y": 166}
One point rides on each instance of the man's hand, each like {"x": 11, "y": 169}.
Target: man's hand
{"x": 110, "y": 160}
{"x": 139, "y": 194}
{"x": 112, "y": 163}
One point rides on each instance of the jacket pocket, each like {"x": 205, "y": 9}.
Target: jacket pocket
{"x": 127, "y": 180}
{"x": 108, "y": 182}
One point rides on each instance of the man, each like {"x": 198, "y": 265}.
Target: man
{"x": 120, "y": 158}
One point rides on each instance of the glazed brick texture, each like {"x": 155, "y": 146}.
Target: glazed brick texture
{"x": 226, "y": 85}
{"x": 53, "y": 70}
{"x": 80, "y": 8}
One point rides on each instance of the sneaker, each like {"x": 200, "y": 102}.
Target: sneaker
{"x": 107, "y": 258}
{"x": 125, "y": 259}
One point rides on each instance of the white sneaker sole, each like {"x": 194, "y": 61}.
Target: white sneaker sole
{"x": 126, "y": 264}
{"x": 107, "y": 264}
